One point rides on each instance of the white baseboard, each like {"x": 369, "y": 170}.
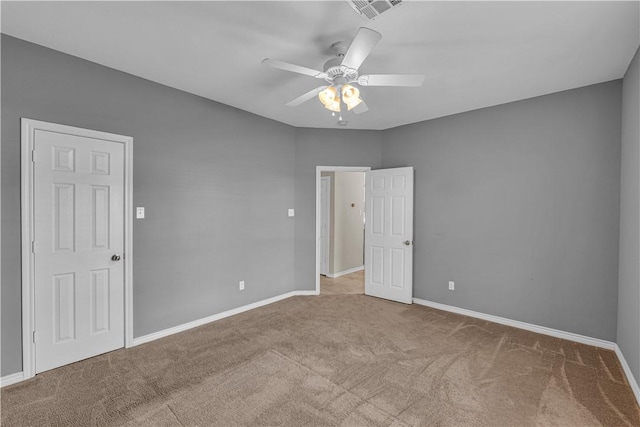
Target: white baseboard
{"x": 345, "y": 272}
{"x": 305, "y": 293}
{"x": 11, "y": 379}
{"x": 521, "y": 325}
{"x": 186, "y": 326}
{"x": 627, "y": 370}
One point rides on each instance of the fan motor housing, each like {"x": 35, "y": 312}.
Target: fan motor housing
{"x": 338, "y": 73}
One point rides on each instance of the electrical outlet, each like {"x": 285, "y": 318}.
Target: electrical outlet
{"x": 452, "y": 285}
{"x": 241, "y": 285}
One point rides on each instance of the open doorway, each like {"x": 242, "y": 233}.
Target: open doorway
{"x": 340, "y": 216}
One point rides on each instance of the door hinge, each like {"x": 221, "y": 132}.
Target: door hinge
{"x": 33, "y": 156}
{"x": 34, "y": 337}
{"x": 33, "y": 246}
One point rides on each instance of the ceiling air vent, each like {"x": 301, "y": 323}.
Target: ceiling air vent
{"x": 370, "y": 9}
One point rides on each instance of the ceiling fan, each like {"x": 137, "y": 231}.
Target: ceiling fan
{"x": 341, "y": 73}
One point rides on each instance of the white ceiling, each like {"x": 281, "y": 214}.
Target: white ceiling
{"x": 473, "y": 54}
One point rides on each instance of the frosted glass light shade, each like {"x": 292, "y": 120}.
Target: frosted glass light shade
{"x": 328, "y": 95}
{"x": 351, "y": 96}
{"x": 334, "y": 106}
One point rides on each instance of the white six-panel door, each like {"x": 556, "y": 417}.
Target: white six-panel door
{"x": 389, "y": 234}
{"x": 78, "y": 228}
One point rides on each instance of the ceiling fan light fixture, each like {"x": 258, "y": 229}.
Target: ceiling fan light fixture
{"x": 351, "y": 96}
{"x": 354, "y": 104}
{"x": 328, "y": 96}
{"x": 342, "y": 70}
{"x": 334, "y": 106}
{"x": 349, "y": 92}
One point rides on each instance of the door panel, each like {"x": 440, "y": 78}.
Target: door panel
{"x": 99, "y": 217}
{"x": 397, "y": 268}
{"x": 78, "y": 226}
{"x": 389, "y": 234}
{"x": 64, "y": 316}
{"x": 100, "y": 315}
{"x": 63, "y": 217}
{"x": 398, "y": 220}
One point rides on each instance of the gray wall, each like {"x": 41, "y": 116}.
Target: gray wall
{"x": 519, "y": 205}
{"x": 323, "y": 147}
{"x": 629, "y": 275}
{"x": 216, "y": 183}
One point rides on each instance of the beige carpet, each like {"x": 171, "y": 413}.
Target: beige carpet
{"x": 254, "y": 393}
{"x": 349, "y": 284}
{"x": 335, "y": 360}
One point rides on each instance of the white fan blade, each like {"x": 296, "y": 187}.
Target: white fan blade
{"x": 304, "y": 98}
{"x": 361, "y": 46}
{"x": 274, "y": 63}
{"x": 360, "y": 108}
{"x": 408, "y": 80}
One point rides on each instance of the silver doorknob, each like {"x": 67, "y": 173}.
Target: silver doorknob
{"x": 407, "y": 242}
{"x": 115, "y": 257}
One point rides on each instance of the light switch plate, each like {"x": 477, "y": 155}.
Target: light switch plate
{"x": 291, "y": 212}
{"x": 139, "y": 213}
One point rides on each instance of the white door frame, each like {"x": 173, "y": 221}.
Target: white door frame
{"x": 319, "y": 170}
{"x": 326, "y": 211}
{"x": 29, "y": 127}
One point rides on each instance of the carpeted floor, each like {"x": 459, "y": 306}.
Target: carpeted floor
{"x": 349, "y": 284}
{"x": 335, "y": 360}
